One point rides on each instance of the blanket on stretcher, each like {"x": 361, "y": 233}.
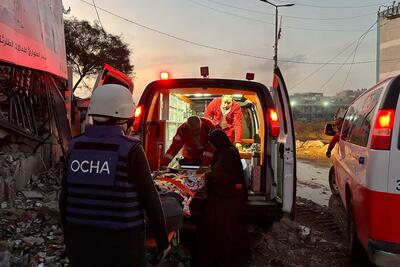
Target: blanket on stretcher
{"x": 185, "y": 186}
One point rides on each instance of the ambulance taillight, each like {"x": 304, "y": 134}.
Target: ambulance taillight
{"x": 138, "y": 116}
{"x": 383, "y": 128}
{"x": 273, "y": 119}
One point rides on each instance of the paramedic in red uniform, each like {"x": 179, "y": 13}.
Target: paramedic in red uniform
{"x": 226, "y": 112}
{"x": 192, "y": 136}
{"x": 335, "y": 138}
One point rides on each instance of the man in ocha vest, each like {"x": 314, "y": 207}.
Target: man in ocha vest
{"x": 107, "y": 187}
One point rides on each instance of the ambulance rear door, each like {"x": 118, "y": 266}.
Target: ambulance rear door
{"x": 286, "y": 149}
{"x": 109, "y": 75}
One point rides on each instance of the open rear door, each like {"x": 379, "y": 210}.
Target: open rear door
{"x": 109, "y": 75}
{"x": 286, "y": 145}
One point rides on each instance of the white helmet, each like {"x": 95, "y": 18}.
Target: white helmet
{"x": 111, "y": 100}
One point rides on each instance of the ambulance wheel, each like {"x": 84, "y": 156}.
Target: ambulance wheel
{"x": 354, "y": 246}
{"x": 332, "y": 182}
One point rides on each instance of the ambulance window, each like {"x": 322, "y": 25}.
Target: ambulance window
{"x": 364, "y": 110}
{"x": 347, "y": 123}
{"x": 249, "y": 121}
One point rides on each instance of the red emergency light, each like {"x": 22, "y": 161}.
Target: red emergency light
{"x": 164, "y": 75}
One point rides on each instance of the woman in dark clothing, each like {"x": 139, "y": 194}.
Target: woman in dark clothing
{"x": 223, "y": 236}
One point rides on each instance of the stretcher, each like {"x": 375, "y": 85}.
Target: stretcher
{"x": 176, "y": 187}
{"x": 182, "y": 183}
{"x": 173, "y": 217}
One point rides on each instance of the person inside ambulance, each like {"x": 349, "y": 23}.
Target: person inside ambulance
{"x": 226, "y": 113}
{"x": 107, "y": 189}
{"x": 192, "y": 138}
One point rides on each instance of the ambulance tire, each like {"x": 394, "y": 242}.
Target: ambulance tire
{"x": 332, "y": 182}
{"x": 354, "y": 246}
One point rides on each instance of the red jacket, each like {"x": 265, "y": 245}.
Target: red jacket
{"x": 233, "y": 118}
{"x": 183, "y": 139}
{"x": 333, "y": 142}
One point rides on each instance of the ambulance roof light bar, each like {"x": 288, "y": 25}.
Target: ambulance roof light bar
{"x": 204, "y": 72}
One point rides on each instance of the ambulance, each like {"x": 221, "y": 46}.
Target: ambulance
{"x": 367, "y": 172}
{"x": 268, "y": 141}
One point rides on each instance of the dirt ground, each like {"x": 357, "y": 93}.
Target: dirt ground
{"x": 317, "y": 237}
{"x": 311, "y": 131}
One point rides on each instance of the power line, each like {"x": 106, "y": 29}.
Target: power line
{"x": 323, "y": 65}
{"x": 287, "y": 16}
{"x": 351, "y": 65}
{"x": 332, "y": 7}
{"x": 226, "y": 50}
{"x": 359, "y": 41}
{"x": 334, "y": 57}
{"x": 97, "y": 13}
{"x": 354, "y": 57}
{"x": 229, "y": 13}
{"x": 334, "y": 74}
{"x": 266, "y": 22}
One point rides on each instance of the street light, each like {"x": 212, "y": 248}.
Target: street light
{"x": 276, "y": 28}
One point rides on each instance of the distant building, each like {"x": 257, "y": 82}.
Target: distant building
{"x": 345, "y": 98}
{"x": 311, "y": 107}
{"x": 388, "y": 54}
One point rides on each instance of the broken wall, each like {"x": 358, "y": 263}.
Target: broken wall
{"x": 34, "y": 130}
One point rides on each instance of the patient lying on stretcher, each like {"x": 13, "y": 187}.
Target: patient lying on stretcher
{"x": 181, "y": 186}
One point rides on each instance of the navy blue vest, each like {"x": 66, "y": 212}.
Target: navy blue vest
{"x": 99, "y": 191}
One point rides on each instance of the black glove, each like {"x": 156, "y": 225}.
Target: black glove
{"x": 328, "y": 154}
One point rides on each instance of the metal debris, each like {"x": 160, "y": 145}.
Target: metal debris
{"x": 32, "y": 195}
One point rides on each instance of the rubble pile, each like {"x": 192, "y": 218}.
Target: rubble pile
{"x": 30, "y": 231}
{"x": 312, "y": 150}
{"x": 9, "y": 164}
{"x": 289, "y": 243}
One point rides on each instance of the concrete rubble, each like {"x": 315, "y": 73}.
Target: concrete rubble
{"x": 312, "y": 150}
{"x": 30, "y": 231}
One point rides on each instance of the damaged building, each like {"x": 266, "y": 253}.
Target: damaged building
{"x": 34, "y": 127}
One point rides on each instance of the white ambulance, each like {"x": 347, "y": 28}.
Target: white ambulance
{"x": 367, "y": 172}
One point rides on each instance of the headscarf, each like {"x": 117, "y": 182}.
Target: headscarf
{"x": 219, "y": 139}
